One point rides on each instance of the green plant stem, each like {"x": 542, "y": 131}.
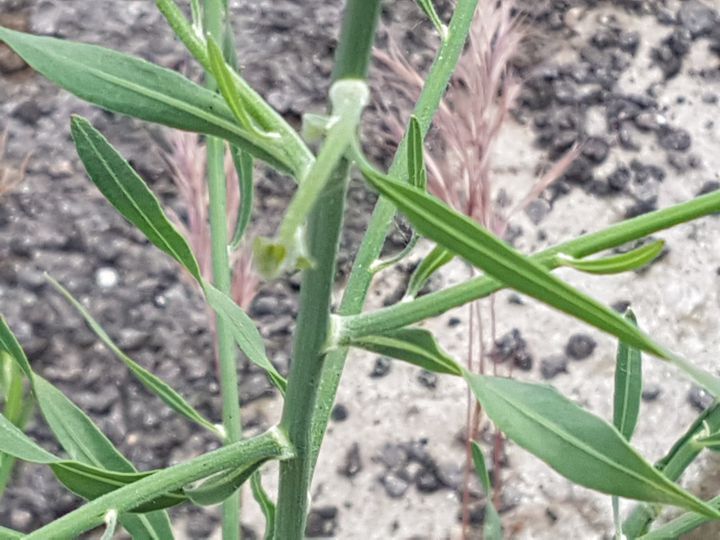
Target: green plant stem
{"x": 272, "y": 444}
{"x": 227, "y": 353}
{"x": 323, "y": 231}
{"x": 680, "y": 456}
{"x": 679, "y": 526}
{"x": 431, "y": 305}
{"x": 362, "y": 272}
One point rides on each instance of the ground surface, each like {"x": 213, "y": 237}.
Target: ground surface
{"x": 638, "y": 82}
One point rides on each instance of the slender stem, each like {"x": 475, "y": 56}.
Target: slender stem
{"x": 272, "y": 444}
{"x": 323, "y": 231}
{"x": 227, "y": 353}
{"x": 680, "y": 456}
{"x": 362, "y": 272}
{"x": 679, "y": 526}
{"x": 431, "y": 305}
{"x": 13, "y": 411}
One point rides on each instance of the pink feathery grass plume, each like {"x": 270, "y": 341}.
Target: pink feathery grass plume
{"x": 187, "y": 160}
{"x": 477, "y": 105}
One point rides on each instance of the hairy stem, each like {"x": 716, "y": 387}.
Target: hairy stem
{"x": 227, "y": 353}
{"x": 323, "y": 231}
{"x": 272, "y": 444}
{"x": 362, "y": 272}
{"x": 437, "y": 303}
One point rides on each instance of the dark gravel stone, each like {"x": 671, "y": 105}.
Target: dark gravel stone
{"x": 651, "y": 392}
{"x": 699, "y": 398}
{"x": 580, "y": 346}
{"x": 553, "y": 366}
{"x": 322, "y": 522}
{"x": 339, "y": 413}
{"x": 579, "y": 171}
{"x": 708, "y": 187}
{"x": 29, "y": 111}
{"x": 537, "y": 210}
{"x": 675, "y": 139}
{"x": 265, "y": 305}
{"x": 352, "y": 464}
{"x": 641, "y": 207}
{"x": 394, "y": 485}
{"x": 595, "y": 149}
{"x": 382, "y": 367}
{"x": 512, "y": 347}
{"x": 697, "y": 18}
{"x": 454, "y": 321}
{"x": 428, "y": 379}
{"x": 450, "y": 475}
{"x": 619, "y": 178}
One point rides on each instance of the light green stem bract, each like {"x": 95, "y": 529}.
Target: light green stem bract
{"x": 272, "y": 444}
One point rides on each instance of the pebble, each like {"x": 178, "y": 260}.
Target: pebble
{"x": 595, "y": 149}
{"x": 619, "y": 178}
{"x": 394, "y": 485}
{"x": 352, "y": 464}
{"x": 699, "y": 398}
{"x": 339, "y": 413}
{"x": 428, "y": 379}
{"x": 675, "y": 139}
{"x": 322, "y": 522}
{"x": 106, "y": 277}
{"x": 553, "y": 366}
{"x": 651, "y": 392}
{"x": 381, "y": 368}
{"x": 697, "y": 18}
{"x": 512, "y": 347}
{"x": 580, "y": 346}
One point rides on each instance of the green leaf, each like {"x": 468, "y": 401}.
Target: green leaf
{"x": 129, "y": 194}
{"x": 229, "y": 91}
{"x": 153, "y": 383}
{"x": 219, "y": 487}
{"x": 435, "y": 260}
{"x": 416, "y": 155}
{"x": 9, "y": 534}
{"x": 244, "y": 332}
{"x": 429, "y": 10}
{"x": 413, "y": 345}
{"x": 81, "y": 439}
{"x": 244, "y": 168}
{"x": 10, "y": 344}
{"x": 679, "y": 526}
{"x": 85, "y": 480}
{"x": 625, "y": 262}
{"x": 132, "y": 86}
{"x": 492, "y": 525}
{"x": 577, "y": 444}
{"x": 267, "y": 506}
{"x": 628, "y": 386}
{"x": 462, "y": 236}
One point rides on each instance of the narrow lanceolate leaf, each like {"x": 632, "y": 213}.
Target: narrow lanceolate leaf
{"x": 129, "y": 194}
{"x": 435, "y": 260}
{"x": 9, "y": 534}
{"x": 429, "y": 9}
{"x": 219, "y": 487}
{"x": 465, "y": 238}
{"x": 616, "y": 264}
{"x": 153, "y": 383}
{"x": 492, "y": 526}
{"x": 628, "y": 386}
{"x": 416, "y": 155}
{"x": 10, "y": 344}
{"x": 132, "y": 86}
{"x": 244, "y": 331}
{"x": 267, "y": 506}
{"x": 577, "y": 444}
{"x": 229, "y": 91}
{"x": 413, "y": 345}
{"x": 82, "y": 440}
{"x": 85, "y": 480}
{"x": 244, "y": 168}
